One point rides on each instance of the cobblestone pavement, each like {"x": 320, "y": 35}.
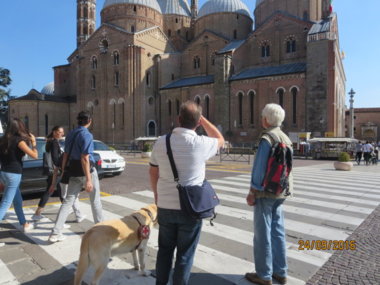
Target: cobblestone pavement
{"x": 359, "y": 266}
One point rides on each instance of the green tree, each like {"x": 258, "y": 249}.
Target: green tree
{"x": 5, "y": 80}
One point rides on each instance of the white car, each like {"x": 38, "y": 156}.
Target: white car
{"x": 112, "y": 163}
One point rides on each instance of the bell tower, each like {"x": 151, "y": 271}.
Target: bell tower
{"x": 194, "y": 8}
{"x": 86, "y": 11}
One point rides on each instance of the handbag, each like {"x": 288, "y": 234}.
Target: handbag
{"x": 196, "y": 201}
{"x": 66, "y": 173}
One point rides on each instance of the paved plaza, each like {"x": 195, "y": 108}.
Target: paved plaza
{"x": 328, "y": 205}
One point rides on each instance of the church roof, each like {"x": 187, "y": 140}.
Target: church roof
{"x": 270, "y": 71}
{"x": 48, "y": 89}
{"x": 176, "y": 7}
{"x": 149, "y": 3}
{"x": 258, "y": 2}
{"x": 231, "y": 46}
{"x": 220, "y": 6}
{"x": 190, "y": 81}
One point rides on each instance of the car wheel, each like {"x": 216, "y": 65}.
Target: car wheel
{"x": 117, "y": 173}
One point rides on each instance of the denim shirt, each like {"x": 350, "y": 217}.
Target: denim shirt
{"x": 260, "y": 165}
{"x": 83, "y": 143}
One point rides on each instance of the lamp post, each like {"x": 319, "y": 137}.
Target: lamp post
{"x": 113, "y": 133}
{"x": 351, "y": 131}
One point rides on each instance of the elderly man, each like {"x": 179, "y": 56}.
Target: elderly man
{"x": 268, "y": 225}
{"x": 190, "y": 152}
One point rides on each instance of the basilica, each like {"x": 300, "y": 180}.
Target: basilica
{"x": 148, "y": 56}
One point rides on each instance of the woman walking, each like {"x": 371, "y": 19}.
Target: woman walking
{"x": 53, "y": 148}
{"x": 13, "y": 146}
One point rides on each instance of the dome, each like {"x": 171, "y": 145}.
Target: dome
{"x": 149, "y": 3}
{"x": 48, "y": 89}
{"x": 176, "y": 7}
{"x": 220, "y": 6}
{"x": 258, "y": 2}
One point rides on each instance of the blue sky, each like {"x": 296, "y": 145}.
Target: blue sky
{"x": 39, "y": 34}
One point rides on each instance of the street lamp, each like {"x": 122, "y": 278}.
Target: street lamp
{"x": 113, "y": 133}
{"x": 351, "y": 132}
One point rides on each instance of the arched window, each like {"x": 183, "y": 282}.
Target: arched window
{"x": 94, "y": 62}
{"x": 207, "y": 103}
{"x": 134, "y": 9}
{"x": 116, "y": 57}
{"x": 147, "y": 79}
{"x": 235, "y": 34}
{"x": 197, "y": 62}
{"x": 151, "y": 129}
{"x": 240, "y": 99}
{"x": 169, "y": 33}
{"x": 26, "y": 121}
{"x": 265, "y": 50}
{"x": 177, "y": 105}
{"x": 117, "y": 75}
{"x": 176, "y": 20}
{"x": 93, "y": 82}
{"x": 85, "y": 12}
{"x": 122, "y": 108}
{"x": 290, "y": 45}
{"x": 46, "y": 124}
{"x": 132, "y": 29}
{"x": 294, "y": 103}
{"x": 169, "y": 107}
{"x": 280, "y": 94}
{"x": 251, "y": 107}
{"x": 197, "y": 100}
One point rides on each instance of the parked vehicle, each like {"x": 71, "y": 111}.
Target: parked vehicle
{"x": 33, "y": 180}
{"x": 112, "y": 163}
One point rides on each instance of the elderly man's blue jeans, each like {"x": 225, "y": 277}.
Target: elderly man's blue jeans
{"x": 176, "y": 231}
{"x": 269, "y": 238}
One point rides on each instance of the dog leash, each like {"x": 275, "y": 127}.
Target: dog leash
{"x": 143, "y": 231}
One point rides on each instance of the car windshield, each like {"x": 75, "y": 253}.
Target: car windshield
{"x": 100, "y": 146}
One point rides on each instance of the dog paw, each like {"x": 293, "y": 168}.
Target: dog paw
{"x": 145, "y": 272}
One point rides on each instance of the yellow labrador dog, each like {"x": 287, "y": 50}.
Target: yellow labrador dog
{"x": 105, "y": 239}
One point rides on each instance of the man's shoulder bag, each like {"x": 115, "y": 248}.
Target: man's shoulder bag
{"x": 67, "y": 171}
{"x": 198, "y": 202}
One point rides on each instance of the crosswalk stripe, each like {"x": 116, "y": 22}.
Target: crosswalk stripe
{"x": 208, "y": 259}
{"x": 7, "y": 277}
{"x": 314, "y": 230}
{"x": 304, "y": 181}
{"x": 304, "y": 201}
{"x": 362, "y": 192}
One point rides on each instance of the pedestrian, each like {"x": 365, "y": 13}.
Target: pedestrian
{"x": 53, "y": 148}
{"x": 14, "y": 144}
{"x": 367, "y": 150}
{"x": 359, "y": 152}
{"x": 79, "y": 146}
{"x": 269, "y": 246}
{"x": 176, "y": 229}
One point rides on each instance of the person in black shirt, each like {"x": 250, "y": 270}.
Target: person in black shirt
{"x": 53, "y": 148}
{"x": 13, "y": 146}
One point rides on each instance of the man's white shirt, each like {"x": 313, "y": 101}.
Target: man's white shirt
{"x": 190, "y": 152}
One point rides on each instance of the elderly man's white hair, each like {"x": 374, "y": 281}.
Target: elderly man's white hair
{"x": 274, "y": 114}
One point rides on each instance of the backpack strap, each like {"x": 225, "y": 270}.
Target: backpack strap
{"x": 273, "y": 138}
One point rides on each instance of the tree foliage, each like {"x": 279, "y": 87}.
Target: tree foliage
{"x": 5, "y": 80}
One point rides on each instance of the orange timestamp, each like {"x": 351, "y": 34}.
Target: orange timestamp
{"x": 326, "y": 244}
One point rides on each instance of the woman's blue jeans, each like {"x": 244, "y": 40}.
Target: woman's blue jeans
{"x": 269, "y": 241}
{"x": 176, "y": 231}
{"x": 11, "y": 194}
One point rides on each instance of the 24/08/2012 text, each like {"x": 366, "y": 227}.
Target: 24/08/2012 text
{"x": 326, "y": 244}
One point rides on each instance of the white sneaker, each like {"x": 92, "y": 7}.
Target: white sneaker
{"x": 37, "y": 217}
{"x": 56, "y": 238}
{"x": 27, "y": 227}
{"x": 81, "y": 218}
{"x": 66, "y": 226}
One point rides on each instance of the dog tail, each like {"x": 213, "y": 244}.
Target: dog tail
{"x": 84, "y": 259}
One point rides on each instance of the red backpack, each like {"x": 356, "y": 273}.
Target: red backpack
{"x": 276, "y": 180}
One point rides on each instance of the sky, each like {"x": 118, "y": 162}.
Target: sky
{"x": 39, "y": 34}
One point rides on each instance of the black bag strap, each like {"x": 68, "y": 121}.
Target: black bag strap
{"x": 171, "y": 158}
